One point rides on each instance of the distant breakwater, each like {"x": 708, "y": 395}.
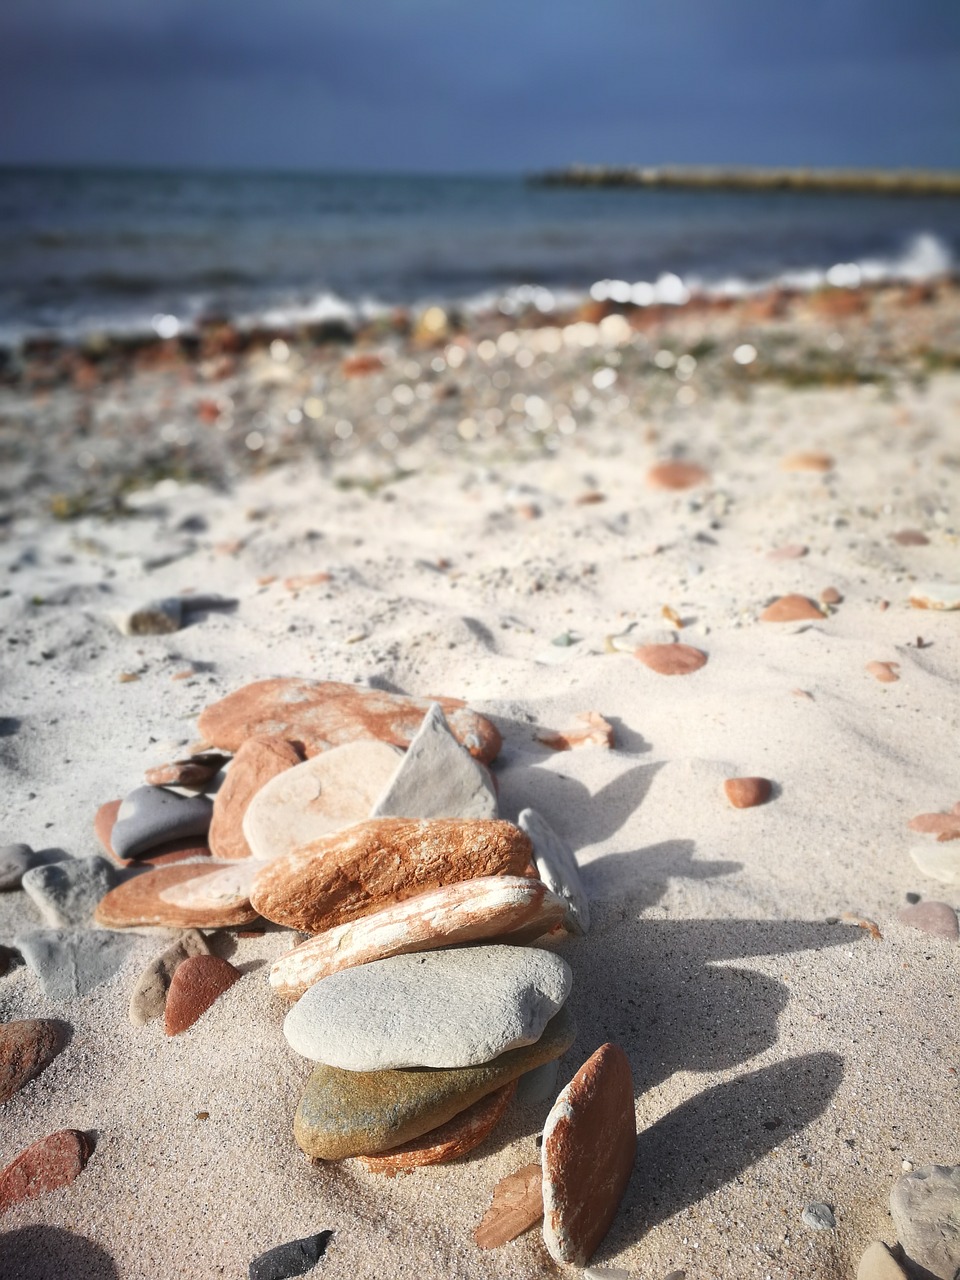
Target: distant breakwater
{"x": 893, "y": 182}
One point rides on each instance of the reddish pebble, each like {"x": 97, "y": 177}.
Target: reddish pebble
{"x": 25, "y": 1049}
{"x": 676, "y": 475}
{"x": 937, "y": 918}
{"x": 830, "y": 595}
{"x": 196, "y": 984}
{"x": 944, "y": 825}
{"x": 885, "y": 672}
{"x": 910, "y": 538}
{"x": 671, "y": 659}
{"x": 361, "y": 364}
{"x": 792, "y": 609}
{"x": 794, "y": 551}
{"x": 589, "y": 1143}
{"x": 302, "y": 580}
{"x": 52, "y": 1162}
{"x": 746, "y": 793}
{"x": 808, "y": 460}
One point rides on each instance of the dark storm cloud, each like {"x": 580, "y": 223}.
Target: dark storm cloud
{"x": 443, "y": 84}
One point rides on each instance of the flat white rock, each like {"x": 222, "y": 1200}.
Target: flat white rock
{"x": 456, "y": 1008}
{"x": 935, "y": 595}
{"x": 225, "y": 887}
{"x": 557, "y": 866}
{"x": 939, "y": 861}
{"x": 437, "y": 778}
{"x": 326, "y": 793}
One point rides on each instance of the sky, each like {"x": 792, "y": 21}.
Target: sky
{"x": 468, "y": 86}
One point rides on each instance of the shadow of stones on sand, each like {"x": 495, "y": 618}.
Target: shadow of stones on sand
{"x": 51, "y": 1253}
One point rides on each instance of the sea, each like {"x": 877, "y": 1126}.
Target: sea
{"x": 91, "y": 251}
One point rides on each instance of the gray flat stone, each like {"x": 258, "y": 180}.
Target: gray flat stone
{"x": 149, "y": 998}
{"x": 15, "y": 859}
{"x": 293, "y": 1259}
{"x": 557, "y": 865}
{"x": 437, "y": 778}
{"x": 456, "y": 1008}
{"x": 819, "y": 1216}
{"x": 150, "y": 816}
{"x": 67, "y": 893}
{"x": 925, "y": 1207}
{"x": 70, "y": 963}
{"x": 939, "y": 862}
{"x": 538, "y": 1085}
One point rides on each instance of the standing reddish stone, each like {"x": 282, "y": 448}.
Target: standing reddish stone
{"x": 52, "y": 1162}
{"x": 745, "y": 793}
{"x": 676, "y": 475}
{"x": 195, "y": 984}
{"x": 258, "y": 760}
{"x": 25, "y": 1049}
{"x": 328, "y": 714}
{"x": 589, "y": 1143}
{"x": 160, "y": 855}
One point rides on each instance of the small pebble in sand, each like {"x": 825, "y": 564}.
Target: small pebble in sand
{"x": 196, "y": 983}
{"x": 671, "y": 659}
{"x": 946, "y": 826}
{"x": 676, "y": 475}
{"x": 819, "y": 1216}
{"x": 935, "y": 595}
{"x": 938, "y": 918}
{"x": 885, "y": 672}
{"x": 50, "y": 1163}
{"x": 155, "y": 618}
{"x": 26, "y": 1048}
{"x": 910, "y": 538}
{"x": 808, "y": 460}
{"x": 792, "y": 608}
{"x": 793, "y": 551}
{"x": 830, "y": 595}
{"x": 517, "y": 1205}
{"x": 289, "y": 1260}
{"x": 589, "y": 729}
{"x": 746, "y": 793}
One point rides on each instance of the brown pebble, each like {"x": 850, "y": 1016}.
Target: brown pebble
{"x": 197, "y": 982}
{"x": 448, "y": 1141}
{"x": 50, "y": 1163}
{"x": 671, "y": 659}
{"x": 830, "y": 595}
{"x": 128, "y": 677}
{"x": 792, "y": 608}
{"x": 676, "y": 475}
{"x": 808, "y": 460}
{"x": 885, "y": 672}
{"x": 589, "y": 498}
{"x": 910, "y": 538}
{"x": 746, "y": 793}
{"x": 26, "y": 1048}
{"x": 938, "y": 918}
{"x": 516, "y": 1206}
{"x": 794, "y": 551}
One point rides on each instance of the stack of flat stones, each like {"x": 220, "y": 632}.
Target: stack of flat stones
{"x": 368, "y": 823}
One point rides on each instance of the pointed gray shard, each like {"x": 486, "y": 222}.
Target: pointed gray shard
{"x": 437, "y": 778}
{"x": 70, "y": 963}
{"x": 67, "y": 893}
{"x": 558, "y": 869}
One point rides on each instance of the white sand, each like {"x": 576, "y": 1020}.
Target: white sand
{"x": 778, "y": 1059}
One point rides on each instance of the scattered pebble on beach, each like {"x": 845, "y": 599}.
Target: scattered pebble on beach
{"x": 746, "y": 793}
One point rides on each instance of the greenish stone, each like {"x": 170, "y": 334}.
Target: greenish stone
{"x": 353, "y": 1113}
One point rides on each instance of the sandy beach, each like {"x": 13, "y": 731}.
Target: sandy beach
{"x": 437, "y": 508}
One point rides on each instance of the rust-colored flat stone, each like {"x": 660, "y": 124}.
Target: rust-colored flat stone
{"x": 328, "y": 714}
{"x": 516, "y": 1206}
{"x": 885, "y": 672}
{"x": 258, "y": 760}
{"x": 196, "y": 983}
{"x": 159, "y": 856}
{"x": 671, "y": 659}
{"x": 450, "y": 1140}
{"x": 139, "y": 902}
{"x": 676, "y": 475}
{"x": 946, "y": 826}
{"x": 26, "y": 1047}
{"x": 589, "y": 1143}
{"x": 746, "y": 793}
{"x": 50, "y": 1163}
{"x": 792, "y": 608}
{"x": 808, "y": 460}
{"x": 373, "y": 864}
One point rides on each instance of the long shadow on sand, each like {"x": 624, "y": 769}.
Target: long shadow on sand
{"x": 51, "y": 1253}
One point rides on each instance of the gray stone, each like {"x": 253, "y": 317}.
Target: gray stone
{"x": 16, "y": 859}
{"x": 939, "y": 861}
{"x": 67, "y": 893}
{"x": 456, "y": 1008}
{"x": 149, "y": 996}
{"x": 538, "y": 1085}
{"x": 70, "y": 963}
{"x": 153, "y": 618}
{"x": 150, "y": 816}
{"x": 878, "y": 1263}
{"x": 819, "y": 1216}
{"x": 437, "y": 778}
{"x": 938, "y": 918}
{"x": 557, "y": 865}
{"x": 293, "y": 1259}
{"x": 925, "y": 1207}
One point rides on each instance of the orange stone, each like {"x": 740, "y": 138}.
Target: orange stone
{"x": 885, "y": 672}
{"x": 196, "y": 983}
{"x": 139, "y": 901}
{"x": 589, "y": 729}
{"x": 676, "y": 475}
{"x": 671, "y": 659}
{"x": 52, "y": 1162}
{"x": 26, "y": 1048}
{"x": 808, "y": 460}
{"x": 258, "y": 760}
{"x": 946, "y": 826}
{"x": 516, "y": 1206}
{"x": 448, "y": 1141}
{"x": 361, "y": 364}
{"x": 745, "y": 793}
{"x": 326, "y": 714}
{"x": 792, "y": 609}
{"x": 160, "y": 855}
{"x": 830, "y": 595}
{"x": 367, "y": 867}
{"x": 194, "y": 772}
